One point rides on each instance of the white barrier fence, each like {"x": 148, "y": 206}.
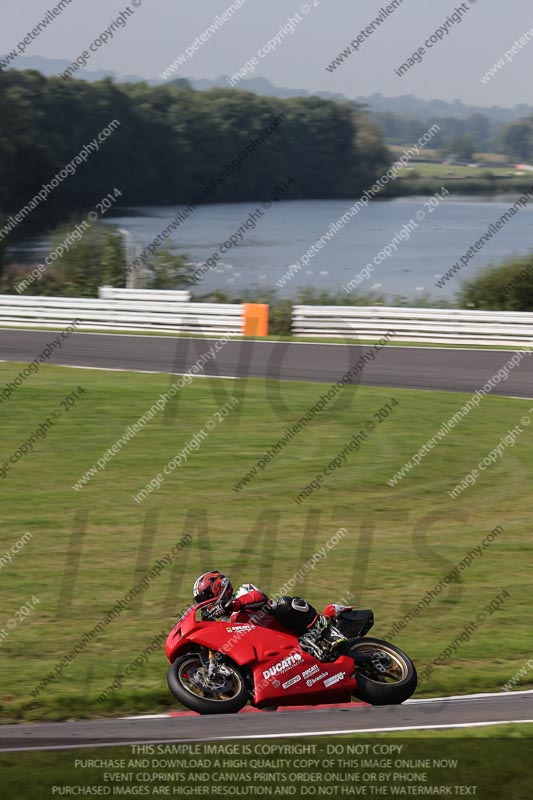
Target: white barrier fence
{"x": 432, "y": 325}
{"x": 154, "y": 310}
{"x": 144, "y": 295}
{"x": 121, "y": 314}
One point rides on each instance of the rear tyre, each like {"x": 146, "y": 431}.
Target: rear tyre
{"x": 225, "y": 693}
{"x": 394, "y": 683}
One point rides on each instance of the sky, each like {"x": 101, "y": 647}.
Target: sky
{"x": 158, "y": 31}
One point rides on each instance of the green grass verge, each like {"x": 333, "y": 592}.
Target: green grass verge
{"x": 401, "y": 541}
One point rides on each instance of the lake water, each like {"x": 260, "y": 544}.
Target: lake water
{"x": 285, "y": 231}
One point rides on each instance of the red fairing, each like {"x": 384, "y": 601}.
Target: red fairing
{"x": 297, "y": 678}
{"x": 254, "y": 598}
{"x": 283, "y": 673}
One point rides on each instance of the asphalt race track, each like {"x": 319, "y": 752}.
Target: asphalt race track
{"x": 469, "y": 711}
{"x": 461, "y": 370}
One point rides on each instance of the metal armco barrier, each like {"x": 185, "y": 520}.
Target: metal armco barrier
{"x": 145, "y": 295}
{"x": 432, "y": 325}
{"x": 123, "y": 314}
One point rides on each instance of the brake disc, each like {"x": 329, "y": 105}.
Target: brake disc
{"x": 199, "y": 678}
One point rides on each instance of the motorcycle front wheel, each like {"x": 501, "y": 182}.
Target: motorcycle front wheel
{"x": 223, "y": 693}
{"x": 386, "y": 676}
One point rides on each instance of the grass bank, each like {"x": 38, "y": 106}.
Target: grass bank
{"x": 90, "y": 547}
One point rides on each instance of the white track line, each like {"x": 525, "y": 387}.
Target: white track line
{"x": 256, "y": 377}
{"x": 280, "y": 735}
{"x": 469, "y": 696}
{"x": 142, "y": 335}
{"x": 152, "y": 372}
{"x": 141, "y": 371}
{"x": 464, "y": 697}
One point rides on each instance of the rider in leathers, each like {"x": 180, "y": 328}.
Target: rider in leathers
{"x": 315, "y": 632}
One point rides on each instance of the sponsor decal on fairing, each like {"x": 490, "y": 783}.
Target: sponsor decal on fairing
{"x": 312, "y": 681}
{"x": 239, "y": 628}
{"x": 291, "y": 681}
{"x": 288, "y": 663}
{"x": 335, "y": 679}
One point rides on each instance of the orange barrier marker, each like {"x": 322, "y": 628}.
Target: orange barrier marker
{"x": 255, "y": 319}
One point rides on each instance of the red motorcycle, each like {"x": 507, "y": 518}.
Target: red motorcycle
{"x": 218, "y": 667}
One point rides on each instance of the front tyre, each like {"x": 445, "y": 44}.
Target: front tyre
{"x": 223, "y": 693}
{"x": 385, "y": 674}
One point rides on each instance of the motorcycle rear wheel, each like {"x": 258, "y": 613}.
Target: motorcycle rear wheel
{"x": 188, "y": 683}
{"x": 391, "y": 687}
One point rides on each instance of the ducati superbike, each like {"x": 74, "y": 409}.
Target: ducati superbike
{"x": 218, "y": 667}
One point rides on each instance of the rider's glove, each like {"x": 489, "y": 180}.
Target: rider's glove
{"x": 218, "y": 609}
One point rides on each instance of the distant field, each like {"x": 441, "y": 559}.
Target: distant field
{"x": 449, "y": 172}
{"x": 401, "y": 541}
{"x": 427, "y": 177}
{"x": 436, "y": 156}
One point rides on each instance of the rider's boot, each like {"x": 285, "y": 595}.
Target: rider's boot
{"x": 321, "y": 638}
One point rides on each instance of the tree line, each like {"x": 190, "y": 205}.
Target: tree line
{"x": 171, "y": 143}
{"x": 464, "y": 137}
{"x": 178, "y": 146}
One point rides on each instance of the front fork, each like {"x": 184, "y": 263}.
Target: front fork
{"x": 211, "y": 668}
{"x": 212, "y": 661}
{"x": 208, "y": 659}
